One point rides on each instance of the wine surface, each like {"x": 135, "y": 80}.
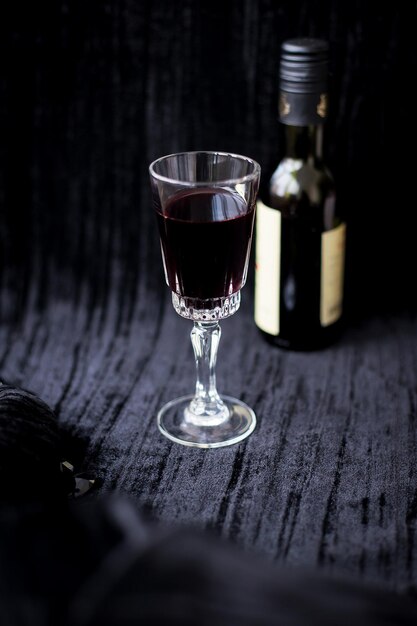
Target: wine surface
{"x": 205, "y": 238}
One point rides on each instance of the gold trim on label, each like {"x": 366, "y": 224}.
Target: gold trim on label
{"x": 333, "y": 243}
{"x": 322, "y": 105}
{"x": 284, "y": 106}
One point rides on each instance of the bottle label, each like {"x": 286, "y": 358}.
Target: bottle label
{"x": 302, "y": 109}
{"x": 332, "y": 273}
{"x": 267, "y": 268}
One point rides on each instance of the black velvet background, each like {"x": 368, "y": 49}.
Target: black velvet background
{"x": 90, "y": 93}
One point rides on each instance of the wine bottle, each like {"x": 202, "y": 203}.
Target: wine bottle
{"x": 300, "y": 237}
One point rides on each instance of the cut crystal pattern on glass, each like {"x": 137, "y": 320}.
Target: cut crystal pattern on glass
{"x": 206, "y": 310}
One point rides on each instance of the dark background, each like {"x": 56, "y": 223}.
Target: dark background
{"x": 91, "y": 92}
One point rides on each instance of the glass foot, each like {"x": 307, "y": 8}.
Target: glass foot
{"x": 236, "y": 422}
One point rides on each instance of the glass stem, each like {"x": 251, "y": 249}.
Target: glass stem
{"x": 206, "y": 407}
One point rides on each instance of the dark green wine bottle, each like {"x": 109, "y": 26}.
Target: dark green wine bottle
{"x": 300, "y": 238}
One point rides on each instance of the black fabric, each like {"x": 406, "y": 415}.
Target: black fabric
{"x": 101, "y": 564}
{"x": 90, "y": 93}
{"x": 30, "y": 446}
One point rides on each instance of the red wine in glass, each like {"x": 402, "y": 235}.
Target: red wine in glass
{"x": 205, "y": 204}
{"x": 205, "y": 238}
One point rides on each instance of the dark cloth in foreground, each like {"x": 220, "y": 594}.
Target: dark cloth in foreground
{"x": 97, "y": 563}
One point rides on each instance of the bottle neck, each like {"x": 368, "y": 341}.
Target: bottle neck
{"x": 304, "y": 142}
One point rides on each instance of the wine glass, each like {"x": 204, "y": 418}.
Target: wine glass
{"x": 205, "y": 206}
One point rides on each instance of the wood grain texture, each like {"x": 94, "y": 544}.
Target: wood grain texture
{"x": 89, "y": 94}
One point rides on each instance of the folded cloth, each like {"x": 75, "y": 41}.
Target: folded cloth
{"x": 30, "y": 443}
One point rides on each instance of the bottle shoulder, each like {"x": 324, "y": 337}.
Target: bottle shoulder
{"x": 296, "y": 179}
{"x": 293, "y": 174}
